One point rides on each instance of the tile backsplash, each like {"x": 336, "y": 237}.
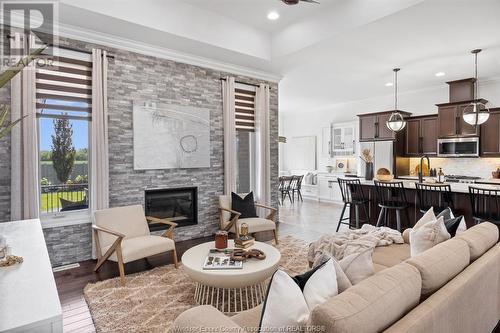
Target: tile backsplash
{"x": 478, "y": 167}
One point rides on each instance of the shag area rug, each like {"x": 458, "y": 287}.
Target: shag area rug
{"x": 152, "y": 300}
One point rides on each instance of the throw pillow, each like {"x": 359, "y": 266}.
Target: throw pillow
{"x": 289, "y": 301}
{"x": 447, "y": 214}
{"x": 67, "y": 205}
{"x": 462, "y": 226}
{"x": 358, "y": 266}
{"x": 428, "y": 235}
{"x": 428, "y": 217}
{"x": 451, "y": 222}
{"x": 343, "y": 281}
{"x": 245, "y": 206}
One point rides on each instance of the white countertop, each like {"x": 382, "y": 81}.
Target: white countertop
{"x": 28, "y": 295}
{"x": 455, "y": 187}
{"x": 337, "y": 174}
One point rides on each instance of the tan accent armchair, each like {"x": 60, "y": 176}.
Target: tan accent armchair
{"x": 255, "y": 224}
{"x": 122, "y": 235}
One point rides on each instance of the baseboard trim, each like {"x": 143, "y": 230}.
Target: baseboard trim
{"x": 65, "y": 267}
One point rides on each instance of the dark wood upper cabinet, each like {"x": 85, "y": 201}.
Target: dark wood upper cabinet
{"x": 490, "y": 135}
{"x": 464, "y": 128}
{"x": 429, "y": 134}
{"x": 461, "y": 90}
{"x": 447, "y": 121}
{"x": 367, "y": 127}
{"x": 412, "y": 146}
{"x": 372, "y": 126}
{"x": 451, "y": 123}
{"x": 384, "y": 133}
{"x": 421, "y": 136}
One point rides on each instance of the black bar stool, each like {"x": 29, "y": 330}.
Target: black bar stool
{"x": 391, "y": 196}
{"x": 352, "y": 194}
{"x": 437, "y": 196}
{"x": 485, "y": 205}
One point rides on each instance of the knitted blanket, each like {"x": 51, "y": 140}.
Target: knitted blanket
{"x": 344, "y": 243}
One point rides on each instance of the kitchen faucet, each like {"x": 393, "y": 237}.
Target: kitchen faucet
{"x": 421, "y": 171}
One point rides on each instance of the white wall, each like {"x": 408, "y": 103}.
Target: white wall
{"x": 416, "y": 102}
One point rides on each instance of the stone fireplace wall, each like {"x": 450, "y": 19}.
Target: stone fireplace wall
{"x": 134, "y": 76}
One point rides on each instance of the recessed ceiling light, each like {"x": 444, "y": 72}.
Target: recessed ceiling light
{"x": 273, "y": 16}
{"x": 389, "y": 84}
{"x": 438, "y": 74}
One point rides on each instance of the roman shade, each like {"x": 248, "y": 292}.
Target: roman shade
{"x": 64, "y": 84}
{"x": 244, "y": 100}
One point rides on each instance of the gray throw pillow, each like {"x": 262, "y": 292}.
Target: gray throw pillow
{"x": 450, "y": 221}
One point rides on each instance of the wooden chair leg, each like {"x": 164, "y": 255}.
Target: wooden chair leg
{"x": 120, "y": 265}
{"x": 174, "y": 255}
{"x": 276, "y": 236}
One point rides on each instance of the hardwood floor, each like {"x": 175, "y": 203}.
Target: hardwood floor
{"x": 309, "y": 220}
{"x": 70, "y": 284}
{"x": 304, "y": 220}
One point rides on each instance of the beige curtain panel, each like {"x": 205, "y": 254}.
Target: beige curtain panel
{"x": 24, "y": 137}
{"x": 99, "y": 156}
{"x": 262, "y": 138}
{"x": 228, "y": 106}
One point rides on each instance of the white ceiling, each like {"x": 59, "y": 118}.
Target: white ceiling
{"x": 254, "y": 12}
{"x": 338, "y": 51}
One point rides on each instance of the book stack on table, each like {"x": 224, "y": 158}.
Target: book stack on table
{"x": 244, "y": 242}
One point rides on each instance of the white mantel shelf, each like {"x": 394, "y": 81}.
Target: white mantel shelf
{"x": 28, "y": 295}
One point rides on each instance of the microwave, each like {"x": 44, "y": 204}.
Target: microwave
{"x": 458, "y": 147}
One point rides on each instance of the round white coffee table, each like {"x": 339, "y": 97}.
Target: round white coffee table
{"x": 231, "y": 290}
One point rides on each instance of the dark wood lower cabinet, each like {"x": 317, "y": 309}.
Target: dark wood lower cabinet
{"x": 461, "y": 202}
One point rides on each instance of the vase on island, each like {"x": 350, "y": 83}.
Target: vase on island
{"x": 369, "y": 171}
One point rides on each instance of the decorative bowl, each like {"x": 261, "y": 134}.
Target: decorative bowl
{"x": 384, "y": 178}
{"x": 384, "y": 175}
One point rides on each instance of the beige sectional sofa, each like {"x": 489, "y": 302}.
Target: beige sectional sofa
{"x": 453, "y": 287}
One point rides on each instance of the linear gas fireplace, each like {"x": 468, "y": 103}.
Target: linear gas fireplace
{"x": 179, "y": 205}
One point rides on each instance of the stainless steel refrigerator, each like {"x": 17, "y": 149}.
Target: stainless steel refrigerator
{"x": 383, "y": 153}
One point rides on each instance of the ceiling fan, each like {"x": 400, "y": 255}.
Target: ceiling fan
{"x": 295, "y": 2}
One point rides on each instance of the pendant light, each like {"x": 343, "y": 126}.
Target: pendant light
{"x": 396, "y": 121}
{"x": 476, "y": 112}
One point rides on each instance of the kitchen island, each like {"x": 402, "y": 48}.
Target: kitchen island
{"x": 460, "y": 196}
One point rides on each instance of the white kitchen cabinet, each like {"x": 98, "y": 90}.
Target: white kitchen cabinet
{"x": 326, "y": 142}
{"x": 343, "y": 140}
{"x": 328, "y": 189}
{"x": 309, "y": 191}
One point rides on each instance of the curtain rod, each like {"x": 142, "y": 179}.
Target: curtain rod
{"x": 245, "y": 83}
{"x": 70, "y": 48}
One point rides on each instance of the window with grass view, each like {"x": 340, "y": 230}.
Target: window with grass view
{"x": 64, "y": 99}
{"x": 245, "y": 138}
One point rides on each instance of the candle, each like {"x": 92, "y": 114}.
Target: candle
{"x": 221, "y": 239}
